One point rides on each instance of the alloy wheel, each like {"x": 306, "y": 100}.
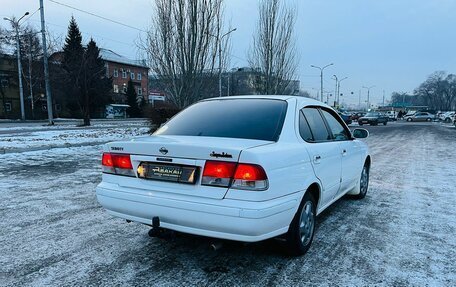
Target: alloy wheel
{"x": 306, "y": 223}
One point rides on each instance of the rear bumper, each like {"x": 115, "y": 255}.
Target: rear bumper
{"x": 224, "y": 218}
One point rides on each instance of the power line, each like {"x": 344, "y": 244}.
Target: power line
{"x": 98, "y": 16}
{"x": 86, "y": 33}
{"x": 30, "y": 16}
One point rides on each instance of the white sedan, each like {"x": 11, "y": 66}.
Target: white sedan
{"x": 244, "y": 168}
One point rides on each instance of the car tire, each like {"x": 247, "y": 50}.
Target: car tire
{"x": 428, "y": 119}
{"x": 385, "y": 123}
{"x": 360, "y": 123}
{"x": 409, "y": 119}
{"x": 363, "y": 183}
{"x": 302, "y": 228}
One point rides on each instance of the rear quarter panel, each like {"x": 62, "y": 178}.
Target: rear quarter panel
{"x": 288, "y": 169}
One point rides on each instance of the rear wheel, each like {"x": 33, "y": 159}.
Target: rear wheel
{"x": 409, "y": 119}
{"x": 302, "y": 228}
{"x": 428, "y": 119}
{"x": 363, "y": 183}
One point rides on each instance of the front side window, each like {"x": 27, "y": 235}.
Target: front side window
{"x": 316, "y": 124}
{"x": 257, "y": 119}
{"x": 337, "y": 129}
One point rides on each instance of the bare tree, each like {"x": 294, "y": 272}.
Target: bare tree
{"x": 273, "y": 51}
{"x": 3, "y": 39}
{"x": 182, "y": 47}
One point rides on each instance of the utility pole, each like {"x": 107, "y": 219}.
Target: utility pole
{"x": 46, "y": 68}
{"x": 15, "y": 25}
{"x": 359, "y": 100}
{"x": 335, "y": 91}
{"x": 383, "y": 97}
{"x": 368, "y": 96}
{"x": 30, "y": 77}
{"x": 321, "y": 78}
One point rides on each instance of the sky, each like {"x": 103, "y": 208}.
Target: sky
{"x": 393, "y": 45}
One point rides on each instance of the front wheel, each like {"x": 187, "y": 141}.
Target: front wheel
{"x": 428, "y": 119}
{"x": 384, "y": 123}
{"x": 302, "y": 228}
{"x": 409, "y": 119}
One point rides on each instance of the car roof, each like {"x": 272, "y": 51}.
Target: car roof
{"x": 302, "y": 101}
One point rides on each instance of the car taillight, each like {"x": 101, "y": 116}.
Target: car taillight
{"x": 250, "y": 177}
{"x": 117, "y": 164}
{"x": 238, "y": 176}
{"x": 218, "y": 173}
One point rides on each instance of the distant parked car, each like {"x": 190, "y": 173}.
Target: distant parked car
{"x": 454, "y": 120}
{"x": 373, "y": 119}
{"x": 346, "y": 117}
{"x": 447, "y": 117}
{"x": 357, "y": 115}
{"x": 420, "y": 117}
{"x": 392, "y": 115}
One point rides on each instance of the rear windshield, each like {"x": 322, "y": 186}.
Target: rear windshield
{"x": 258, "y": 119}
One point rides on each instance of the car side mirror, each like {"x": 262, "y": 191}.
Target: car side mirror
{"x": 360, "y": 133}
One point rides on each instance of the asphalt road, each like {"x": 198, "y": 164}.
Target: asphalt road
{"x": 53, "y": 232}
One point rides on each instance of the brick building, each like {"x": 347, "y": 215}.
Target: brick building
{"x": 10, "y": 106}
{"x": 122, "y": 69}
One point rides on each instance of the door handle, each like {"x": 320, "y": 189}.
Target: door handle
{"x": 317, "y": 159}
{"x": 344, "y": 152}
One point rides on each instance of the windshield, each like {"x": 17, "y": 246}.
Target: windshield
{"x": 259, "y": 119}
{"x": 372, "y": 115}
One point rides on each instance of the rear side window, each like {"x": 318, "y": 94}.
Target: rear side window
{"x": 304, "y": 128}
{"x": 258, "y": 119}
{"x": 316, "y": 124}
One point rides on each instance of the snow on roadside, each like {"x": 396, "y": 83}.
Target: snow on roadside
{"x": 69, "y": 124}
{"x": 65, "y": 138}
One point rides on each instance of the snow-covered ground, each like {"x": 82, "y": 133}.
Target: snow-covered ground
{"x": 53, "y": 232}
{"x": 32, "y": 137}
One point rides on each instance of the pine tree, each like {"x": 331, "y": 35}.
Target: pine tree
{"x": 96, "y": 86}
{"x": 73, "y": 53}
{"x": 85, "y": 80}
{"x": 132, "y": 100}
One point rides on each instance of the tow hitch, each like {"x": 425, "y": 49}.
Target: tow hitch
{"x": 157, "y": 231}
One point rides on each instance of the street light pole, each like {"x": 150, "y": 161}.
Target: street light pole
{"x": 338, "y": 90}
{"x": 15, "y": 25}
{"x": 321, "y": 78}
{"x": 46, "y": 68}
{"x": 335, "y": 91}
{"x": 368, "y": 96}
{"x": 220, "y": 59}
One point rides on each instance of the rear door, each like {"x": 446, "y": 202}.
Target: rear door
{"x": 324, "y": 153}
{"x": 350, "y": 150}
